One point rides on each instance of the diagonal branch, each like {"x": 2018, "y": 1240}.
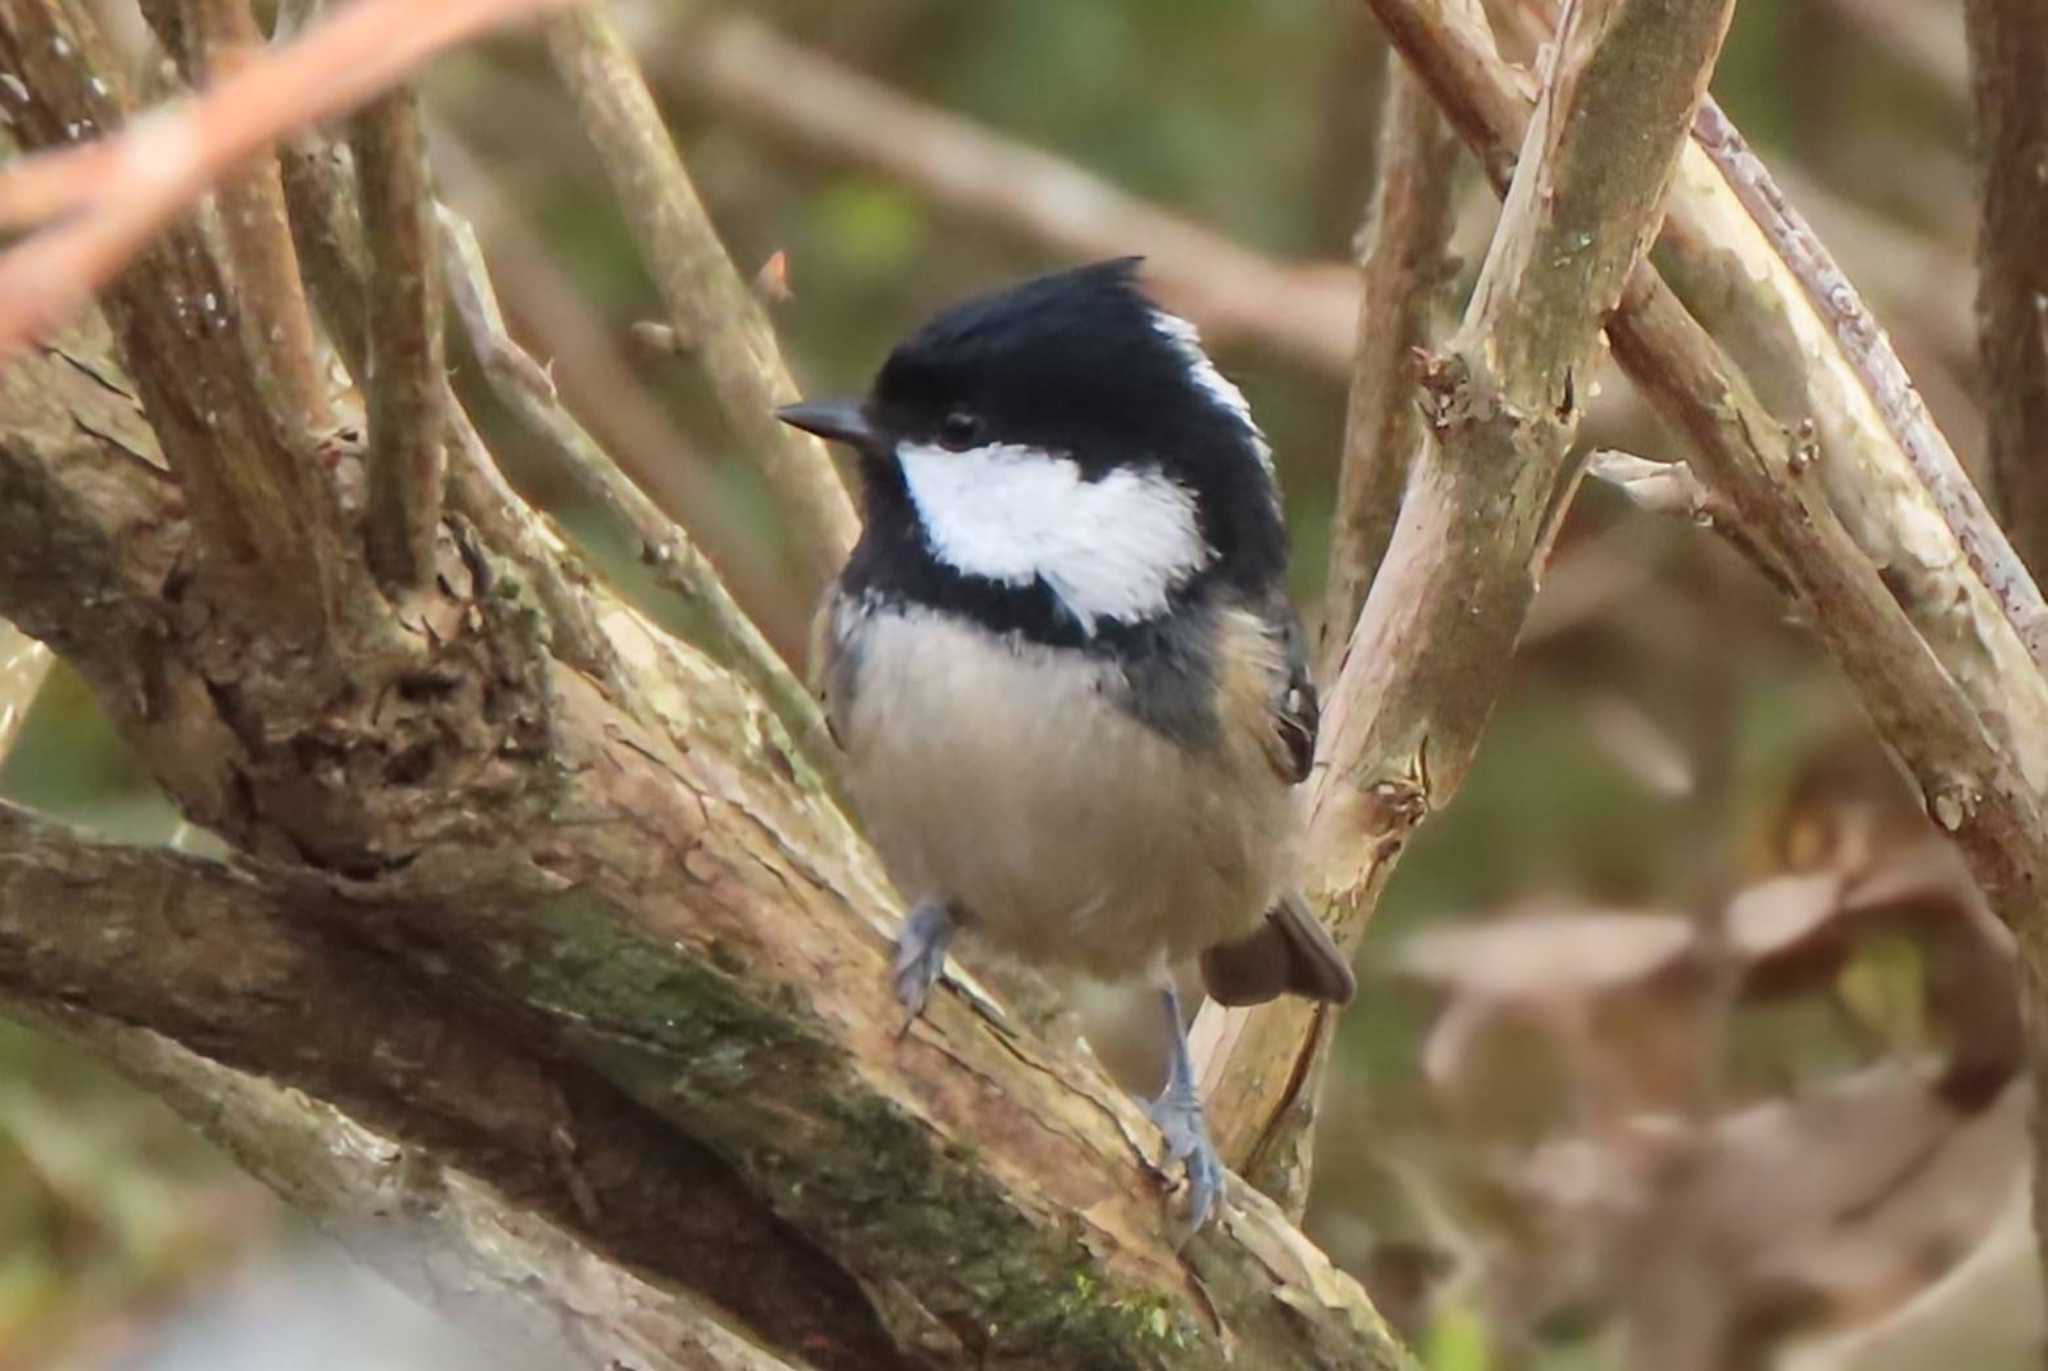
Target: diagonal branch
{"x": 1717, "y": 259}
{"x": 1867, "y": 349}
{"x": 1424, "y": 667}
{"x": 231, "y": 967}
{"x": 1404, "y": 241}
{"x": 706, "y": 298}
{"x": 713, "y": 620}
{"x": 405, "y": 368}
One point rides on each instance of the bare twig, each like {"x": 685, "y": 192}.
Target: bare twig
{"x": 259, "y": 505}
{"x": 749, "y": 73}
{"x": 720, "y": 627}
{"x": 217, "y": 38}
{"x": 1505, "y": 400}
{"x": 129, "y": 186}
{"x": 586, "y": 359}
{"x": 1950, "y": 720}
{"x": 1971, "y": 788}
{"x": 1672, "y": 489}
{"x": 1731, "y": 276}
{"x": 406, "y": 371}
{"x": 1867, "y": 348}
{"x": 1403, "y": 263}
{"x": 2008, "y": 42}
{"x": 706, "y": 297}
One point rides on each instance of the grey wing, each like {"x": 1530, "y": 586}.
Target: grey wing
{"x": 828, "y": 671}
{"x": 1291, "y": 953}
{"x": 1296, "y": 712}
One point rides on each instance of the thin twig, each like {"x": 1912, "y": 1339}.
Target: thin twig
{"x": 124, "y": 191}
{"x": 586, "y": 359}
{"x": 1864, "y": 343}
{"x": 404, "y": 385}
{"x": 749, "y": 73}
{"x": 258, "y": 505}
{"x": 719, "y": 626}
{"x": 1731, "y": 277}
{"x": 1671, "y": 488}
{"x": 1424, "y": 667}
{"x": 706, "y": 297}
{"x": 216, "y": 39}
{"x": 1404, "y": 266}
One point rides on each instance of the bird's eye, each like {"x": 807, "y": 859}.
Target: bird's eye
{"x": 959, "y": 430}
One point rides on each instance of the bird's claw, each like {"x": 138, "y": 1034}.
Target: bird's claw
{"x": 920, "y": 956}
{"x": 1178, "y": 1112}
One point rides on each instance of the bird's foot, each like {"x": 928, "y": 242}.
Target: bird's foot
{"x": 920, "y": 955}
{"x": 1178, "y": 1112}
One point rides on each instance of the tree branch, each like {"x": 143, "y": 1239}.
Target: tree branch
{"x": 1713, "y": 253}
{"x": 1404, "y": 267}
{"x": 231, "y": 969}
{"x": 703, "y": 604}
{"x": 1864, "y": 344}
{"x": 706, "y": 298}
{"x": 1403, "y": 723}
{"x": 265, "y": 514}
{"x": 405, "y": 380}
{"x": 214, "y": 39}
{"x": 120, "y": 191}
{"x": 2008, "y": 53}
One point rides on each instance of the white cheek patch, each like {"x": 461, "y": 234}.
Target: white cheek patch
{"x": 1113, "y": 548}
{"x": 1188, "y": 342}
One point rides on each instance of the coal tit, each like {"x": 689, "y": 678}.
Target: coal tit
{"x": 1061, "y": 661}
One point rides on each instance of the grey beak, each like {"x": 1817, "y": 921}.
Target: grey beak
{"x": 836, "y": 421}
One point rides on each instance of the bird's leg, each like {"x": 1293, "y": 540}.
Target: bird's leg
{"x": 1178, "y": 1112}
{"x": 921, "y": 954}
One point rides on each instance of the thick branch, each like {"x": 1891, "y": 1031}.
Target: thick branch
{"x": 751, "y": 74}
{"x": 1423, "y": 669}
{"x": 706, "y": 298}
{"x": 2008, "y": 53}
{"x": 406, "y": 372}
{"x": 1404, "y": 242}
{"x": 231, "y": 968}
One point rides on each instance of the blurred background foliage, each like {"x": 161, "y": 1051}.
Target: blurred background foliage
{"x": 1619, "y": 1089}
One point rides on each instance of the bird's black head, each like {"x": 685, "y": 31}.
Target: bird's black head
{"x": 1067, "y": 442}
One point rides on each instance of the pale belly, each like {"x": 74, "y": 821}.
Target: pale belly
{"x": 1005, "y": 780}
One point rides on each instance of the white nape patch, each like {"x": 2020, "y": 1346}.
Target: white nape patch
{"x": 1187, "y": 340}
{"x": 1113, "y": 548}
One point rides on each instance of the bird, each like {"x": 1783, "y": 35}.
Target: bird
{"x": 1061, "y": 663}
